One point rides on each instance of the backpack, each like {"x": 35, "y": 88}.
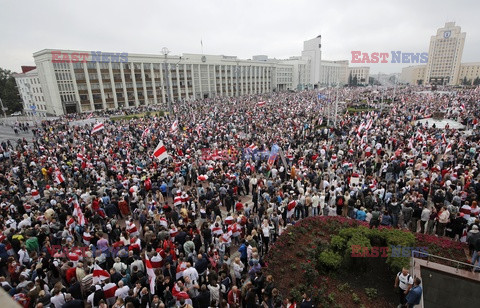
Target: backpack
{"x": 340, "y": 201}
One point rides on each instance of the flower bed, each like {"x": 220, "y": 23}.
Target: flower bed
{"x": 315, "y": 256}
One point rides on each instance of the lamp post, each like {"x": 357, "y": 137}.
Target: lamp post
{"x": 165, "y": 52}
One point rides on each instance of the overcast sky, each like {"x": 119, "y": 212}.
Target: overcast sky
{"x": 231, "y": 27}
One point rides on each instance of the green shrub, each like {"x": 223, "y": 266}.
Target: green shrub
{"x": 355, "y": 298}
{"x": 329, "y": 260}
{"x": 338, "y": 243}
{"x": 348, "y": 233}
{"x": 372, "y": 293}
{"x": 358, "y": 239}
{"x": 343, "y": 287}
{"x": 331, "y": 297}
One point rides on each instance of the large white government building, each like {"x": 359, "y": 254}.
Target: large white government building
{"x": 129, "y": 80}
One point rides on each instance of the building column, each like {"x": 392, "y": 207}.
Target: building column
{"x": 154, "y": 85}
{"x": 144, "y": 85}
{"x": 134, "y": 82}
{"x": 125, "y": 94}
{"x": 170, "y": 83}
{"x": 232, "y": 73}
{"x": 209, "y": 83}
{"x": 185, "y": 79}
{"x": 194, "y": 92}
{"x": 75, "y": 88}
{"x": 112, "y": 82}
{"x": 162, "y": 82}
{"x": 89, "y": 87}
{"x": 100, "y": 82}
{"x": 200, "y": 80}
{"x": 179, "y": 88}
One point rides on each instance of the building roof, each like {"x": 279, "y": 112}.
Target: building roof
{"x": 26, "y": 69}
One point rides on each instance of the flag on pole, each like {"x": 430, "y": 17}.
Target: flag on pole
{"x": 97, "y": 127}
{"x": 99, "y": 274}
{"x": 145, "y": 132}
{"x": 449, "y": 148}
{"x": 59, "y": 179}
{"x": 174, "y": 127}
{"x": 151, "y": 274}
{"x": 160, "y": 151}
{"x": 77, "y": 211}
{"x": 90, "y": 115}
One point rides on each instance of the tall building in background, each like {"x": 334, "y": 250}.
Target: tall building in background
{"x": 445, "y": 55}
{"x": 312, "y": 50}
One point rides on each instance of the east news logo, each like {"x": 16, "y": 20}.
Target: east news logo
{"x": 383, "y": 57}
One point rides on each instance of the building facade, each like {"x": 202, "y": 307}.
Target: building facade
{"x": 361, "y": 73}
{"x": 413, "y": 75}
{"x": 31, "y": 92}
{"x": 300, "y": 72}
{"x": 333, "y": 73}
{"x": 445, "y": 55}
{"x": 102, "y": 81}
{"x": 469, "y": 73}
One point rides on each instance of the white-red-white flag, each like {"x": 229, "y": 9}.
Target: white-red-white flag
{"x": 90, "y": 115}
{"x": 145, "y": 132}
{"x": 97, "y": 127}
{"x": 59, "y": 179}
{"x": 151, "y": 274}
{"x": 260, "y": 104}
{"x": 77, "y": 212}
{"x": 160, "y": 151}
{"x": 99, "y": 274}
{"x": 80, "y": 157}
{"x": 449, "y": 148}
{"x": 174, "y": 127}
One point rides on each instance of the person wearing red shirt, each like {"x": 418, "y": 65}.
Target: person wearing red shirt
{"x": 234, "y": 298}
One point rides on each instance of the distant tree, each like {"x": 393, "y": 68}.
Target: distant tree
{"x": 476, "y": 82}
{"x": 354, "y": 81}
{"x": 350, "y": 80}
{"x": 9, "y": 92}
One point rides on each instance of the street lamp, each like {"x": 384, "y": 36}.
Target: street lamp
{"x": 165, "y": 52}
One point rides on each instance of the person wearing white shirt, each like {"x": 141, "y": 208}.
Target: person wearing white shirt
{"x": 322, "y": 202}
{"x": 122, "y": 290}
{"x": 23, "y": 256}
{"x": 26, "y": 222}
{"x": 190, "y": 272}
{"x": 58, "y": 299}
{"x": 11, "y": 223}
{"x": 315, "y": 204}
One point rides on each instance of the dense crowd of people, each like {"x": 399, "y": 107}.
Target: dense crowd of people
{"x": 96, "y": 220}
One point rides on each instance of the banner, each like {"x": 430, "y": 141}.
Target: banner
{"x": 273, "y": 155}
